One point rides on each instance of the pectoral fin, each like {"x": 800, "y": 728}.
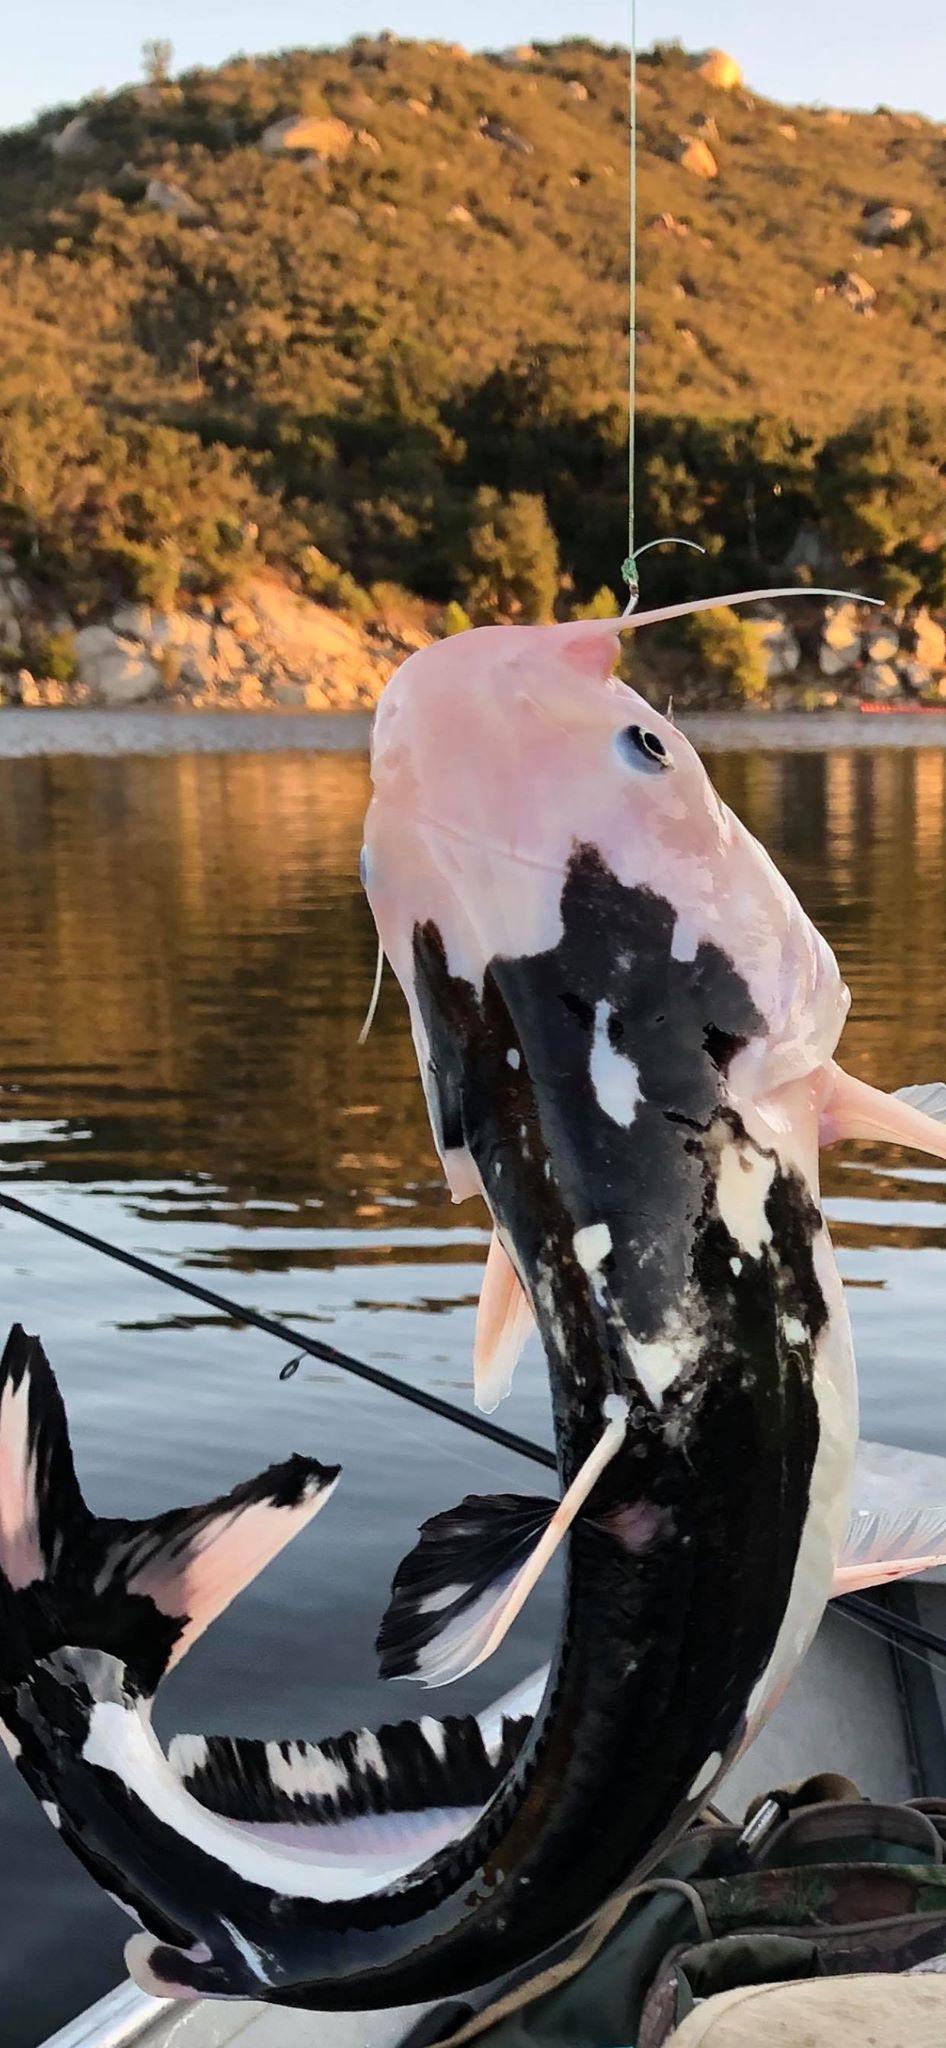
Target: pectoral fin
{"x": 890, "y": 1544}
{"x": 503, "y": 1322}
{"x": 914, "y": 1116}
{"x": 458, "y": 1592}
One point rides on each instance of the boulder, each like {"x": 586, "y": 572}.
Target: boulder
{"x": 133, "y": 619}
{"x": 115, "y": 670}
{"x": 229, "y": 655}
{"x": 777, "y": 644}
{"x": 320, "y": 134}
{"x": 665, "y": 224}
{"x": 883, "y": 221}
{"x": 840, "y": 639}
{"x": 695, "y": 156}
{"x": 788, "y": 130}
{"x": 879, "y": 681}
{"x": 418, "y": 107}
{"x": 883, "y": 644}
{"x": 929, "y": 640}
{"x": 574, "y": 87}
{"x": 14, "y": 596}
{"x": 914, "y": 675}
{"x": 366, "y": 140}
{"x": 460, "y": 215}
{"x": 718, "y": 69}
{"x": 808, "y": 551}
{"x": 497, "y": 131}
{"x": 75, "y": 139}
{"x": 518, "y": 54}
{"x": 856, "y": 291}
{"x": 171, "y": 199}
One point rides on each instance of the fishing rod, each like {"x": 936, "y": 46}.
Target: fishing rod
{"x": 896, "y": 1626}
{"x": 899, "y": 1625}
{"x": 275, "y": 1327}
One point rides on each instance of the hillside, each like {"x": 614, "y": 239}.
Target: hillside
{"x": 386, "y": 343}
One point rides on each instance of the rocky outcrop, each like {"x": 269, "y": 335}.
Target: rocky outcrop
{"x": 666, "y": 224}
{"x": 718, "y": 69}
{"x": 856, "y": 291}
{"x": 778, "y": 644}
{"x": 308, "y": 134}
{"x": 270, "y": 648}
{"x": 927, "y": 640}
{"x": 75, "y": 139}
{"x": 879, "y": 682}
{"x": 171, "y": 199}
{"x": 840, "y": 639}
{"x": 114, "y": 670}
{"x": 694, "y": 155}
{"x": 508, "y": 138}
{"x": 883, "y": 222}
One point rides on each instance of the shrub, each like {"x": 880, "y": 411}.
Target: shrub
{"x": 455, "y": 620}
{"x": 604, "y": 605}
{"x": 332, "y": 586}
{"x": 727, "y": 652}
{"x": 511, "y": 571}
{"x": 52, "y": 655}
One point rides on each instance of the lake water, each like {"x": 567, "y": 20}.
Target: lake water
{"x": 187, "y": 960}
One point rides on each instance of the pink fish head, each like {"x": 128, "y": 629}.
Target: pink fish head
{"x": 502, "y": 754}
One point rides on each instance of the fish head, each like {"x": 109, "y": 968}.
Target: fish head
{"x": 499, "y": 757}
{"x": 609, "y": 981}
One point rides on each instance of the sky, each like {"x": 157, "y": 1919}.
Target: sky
{"x": 849, "y": 53}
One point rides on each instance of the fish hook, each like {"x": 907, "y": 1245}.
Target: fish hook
{"x": 629, "y": 568}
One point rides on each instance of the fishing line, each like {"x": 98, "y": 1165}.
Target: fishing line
{"x": 869, "y": 1614}
{"x": 629, "y": 567}
{"x": 894, "y": 1630}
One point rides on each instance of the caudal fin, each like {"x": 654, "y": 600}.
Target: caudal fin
{"x": 142, "y": 1591}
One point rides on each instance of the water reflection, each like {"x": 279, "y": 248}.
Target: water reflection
{"x": 187, "y": 963}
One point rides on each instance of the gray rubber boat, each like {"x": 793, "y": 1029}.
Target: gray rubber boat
{"x": 865, "y": 1704}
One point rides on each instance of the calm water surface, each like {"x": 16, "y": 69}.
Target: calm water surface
{"x": 187, "y": 961}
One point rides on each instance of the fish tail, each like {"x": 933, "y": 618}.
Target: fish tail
{"x": 140, "y": 1591}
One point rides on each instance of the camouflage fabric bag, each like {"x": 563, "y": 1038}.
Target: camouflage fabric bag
{"x": 818, "y": 1883}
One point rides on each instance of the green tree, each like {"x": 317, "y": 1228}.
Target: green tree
{"x": 726, "y": 654}
{"x": 883, "y": 499}
{"x": 511, "y": 570}
{"x": 157, "y": 55}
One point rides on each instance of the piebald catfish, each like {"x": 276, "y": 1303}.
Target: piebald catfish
{"x": 625, "y": 1025}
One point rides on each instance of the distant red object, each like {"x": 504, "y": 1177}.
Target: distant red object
{"x": 902, "y": 710}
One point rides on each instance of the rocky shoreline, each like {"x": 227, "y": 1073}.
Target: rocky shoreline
{"x": 268, "y": 649}
{"x": 271, "y": 649}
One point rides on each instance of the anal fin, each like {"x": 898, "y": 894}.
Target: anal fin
{"x": 887, "y": 1544}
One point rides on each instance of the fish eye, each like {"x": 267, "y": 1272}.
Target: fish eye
{"x": 642, "y": 749}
